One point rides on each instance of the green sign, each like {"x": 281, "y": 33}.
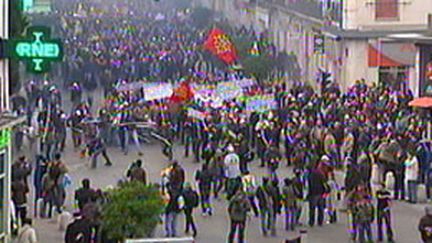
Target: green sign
{"x": 5, "y": 138}
{"x": 37, "y": 49}
{"x": 27, "y": 5}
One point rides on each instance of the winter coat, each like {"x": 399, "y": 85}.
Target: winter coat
{"x": 238, "y": 208}
{"x": 317, "y": 184}
{"x": 289, "y": 198}
{"x": 364, "y": 212}
{"x": 191, "y": 199}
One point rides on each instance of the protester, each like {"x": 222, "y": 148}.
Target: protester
{"x": 384, "y": 213}
{"x": 191, "y": 201}
{"x": 27, "y": 234}
{"x": 425, "y": 225}
{"x": 204, "y": 177}
{"x": 238, "y": 210}
{"x": 137, "y": 173}
{"x": 85, "y": 194}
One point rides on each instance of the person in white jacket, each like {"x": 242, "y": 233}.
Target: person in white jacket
{"x": 411, "y": 177}
{"x": 27, "y": 234}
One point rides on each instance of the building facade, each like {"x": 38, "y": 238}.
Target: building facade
{"x": 376, "y": 40}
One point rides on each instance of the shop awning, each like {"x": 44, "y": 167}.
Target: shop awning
{"x": 389, "y": 54}
{"x": 421, "y": 102}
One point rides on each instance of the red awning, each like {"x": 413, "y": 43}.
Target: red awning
{"x": 377, "y": 59}
{"x": 422, "y": 102}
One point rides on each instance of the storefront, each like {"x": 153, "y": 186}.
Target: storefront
{"x": 394, "y": 62}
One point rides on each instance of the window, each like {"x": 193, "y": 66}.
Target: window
{"x": 387, "y": 10}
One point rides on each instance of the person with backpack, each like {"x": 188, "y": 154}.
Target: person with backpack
{"x": 191, "y": 201}
{"x": 204, "y": 177}
{"x": 250, "y": 187}
{"x": 238, "y": 209}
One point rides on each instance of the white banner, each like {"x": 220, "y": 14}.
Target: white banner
{"x": 196, "y": 114}
{"x": 261, "y": 103}
{"x": 228, "y": 91}
{"x": 158, "y": 91}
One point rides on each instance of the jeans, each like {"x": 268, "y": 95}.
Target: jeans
{"x": 240, "y": 225}
{"x": 268, "y": 221}
{"x": 365, "y": 231}
{"x": 316, "y": 203}
{"x": 171, "y": 224}
{"x": 412, "y": 191}
{"x": 384, "y": 216}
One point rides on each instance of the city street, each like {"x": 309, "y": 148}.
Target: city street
{"x": 214, "y": 229}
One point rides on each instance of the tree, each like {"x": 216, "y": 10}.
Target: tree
{"x": 18, "y": 23}
{"x": 133, "y": 210}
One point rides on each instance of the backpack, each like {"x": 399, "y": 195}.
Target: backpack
{"x": 238, "y": 210}
{"x": 194, "y": 199}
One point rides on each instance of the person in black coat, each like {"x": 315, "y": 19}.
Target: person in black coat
{"x": 317, "y": 188}
{"x": 79, "y": 231}
{"x": 191, "y": 201}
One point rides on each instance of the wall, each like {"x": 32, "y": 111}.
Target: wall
{"x": 360, "y": 14}
{"x": 355, "y": 63}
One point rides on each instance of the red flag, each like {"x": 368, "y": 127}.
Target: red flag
{"x": 182, "y": 93}
{"x": 220, "y": 45}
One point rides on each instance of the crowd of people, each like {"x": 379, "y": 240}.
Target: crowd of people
{"x": 363, "y": 134}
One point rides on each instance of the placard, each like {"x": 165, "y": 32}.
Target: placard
{"x": 261, "y": 103}
{"x": 196, "y": 114}
{"x": 228, "y": 91}
{"x": 158, "y": 91}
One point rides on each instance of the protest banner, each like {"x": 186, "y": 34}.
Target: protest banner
{"x": 244, "y": 83}
{"x": 132, "y": 86}
{"x": 158, "y": 91}
{"x": 228, "y": 91}
{"x": 196, "y": 114}
{"x": 260, "y": 103}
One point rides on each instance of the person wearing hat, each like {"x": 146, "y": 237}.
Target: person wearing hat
{"x": 425, "y": 225}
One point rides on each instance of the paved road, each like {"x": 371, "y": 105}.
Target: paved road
{"x": 213, "y": 229}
